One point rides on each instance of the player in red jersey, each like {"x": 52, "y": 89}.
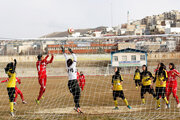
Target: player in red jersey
{"x": 42, "y": 77}
{"x": 17, "y": 91}
{"x": 171, "y": 84}
{"x": 82, "y": 81}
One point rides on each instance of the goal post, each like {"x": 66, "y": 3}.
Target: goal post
{"x": 96, "y": 59}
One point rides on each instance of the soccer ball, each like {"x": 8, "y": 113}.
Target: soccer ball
{"x": 70, "y": 30}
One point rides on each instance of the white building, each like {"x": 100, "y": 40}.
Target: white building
{"x": 97, "y": 34}
{"x": 171, "y": 45}
{"x": 128, "y": 58}
{"x": 76, "y": 34}
{"x": 123, "y": 31}
{"x": 172, "y": 30}
{"x": 109, "y": 29}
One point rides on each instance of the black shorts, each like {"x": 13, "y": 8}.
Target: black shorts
{"x": 137, "y": 82}
{"x": 160, "y": 91}
{"x": 148, "y": 89}
{"x": 73, "y": 86}
{"x": 118, "y": 94}
{"x": 11, "y": 93}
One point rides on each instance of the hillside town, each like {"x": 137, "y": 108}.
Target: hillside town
{"x": 156, "y": 34}
{"x": 165, "y": 23}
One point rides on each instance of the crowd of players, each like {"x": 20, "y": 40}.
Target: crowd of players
{"x": 165, "y": 82}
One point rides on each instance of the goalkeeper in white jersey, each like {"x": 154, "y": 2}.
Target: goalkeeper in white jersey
{"x": 72, "y": 75}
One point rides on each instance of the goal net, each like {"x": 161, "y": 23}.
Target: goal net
{"x": 96, "y": 58}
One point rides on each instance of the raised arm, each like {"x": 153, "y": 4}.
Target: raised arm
{"x": 50, "y": 61}
{"x": 14, "y": 66}
{"x": 63, "y": 51}
{"x": 74, "y": 56}
{"x": 66, "y": 58}
{"x": 45, "y": 59}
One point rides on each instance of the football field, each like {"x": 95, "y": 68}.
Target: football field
{"x": 96, "y": 101}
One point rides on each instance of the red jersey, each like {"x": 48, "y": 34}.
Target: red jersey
{"x": 172, "y": 75}
{"x": 78, "y": 76}
{"x": 41, "y": 65}
{"x": 82, "y": 80}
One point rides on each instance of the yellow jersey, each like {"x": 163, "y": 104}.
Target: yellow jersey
{"x": 137, "y": 75}
{"x": 160, "y": 78}
{"x": 116, "y": 82}
{"x": 146, "y": 77}
{"x": 12, "y": 79}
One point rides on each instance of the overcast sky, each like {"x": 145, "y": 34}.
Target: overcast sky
{"x": 34, "y": 18}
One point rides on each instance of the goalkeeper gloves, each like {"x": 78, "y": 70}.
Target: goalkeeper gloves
{"x": 63, "y": 50}
{"x": 70, "y": 50}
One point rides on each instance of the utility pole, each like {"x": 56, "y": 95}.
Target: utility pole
{"x": 128, "y": 18}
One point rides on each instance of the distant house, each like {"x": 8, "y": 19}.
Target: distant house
{"x": 128, "y": 58}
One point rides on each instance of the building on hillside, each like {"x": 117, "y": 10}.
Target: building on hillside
{"x": 97, "y": 34}
{"x": 124, "y": 45}
{"x": 150, "y": 46}
{"x": 76, "y": 34}
{"x": 172, "y": 30}
{"x": 171, "y": 45}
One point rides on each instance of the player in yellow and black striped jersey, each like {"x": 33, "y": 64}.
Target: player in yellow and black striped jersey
{"x": 146, "y": 81}
{"x": 10, "y": 71}
{"x": 160, "y": 80}
{"x": 137, "y": 76}
{"x": 117, "y": 88}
